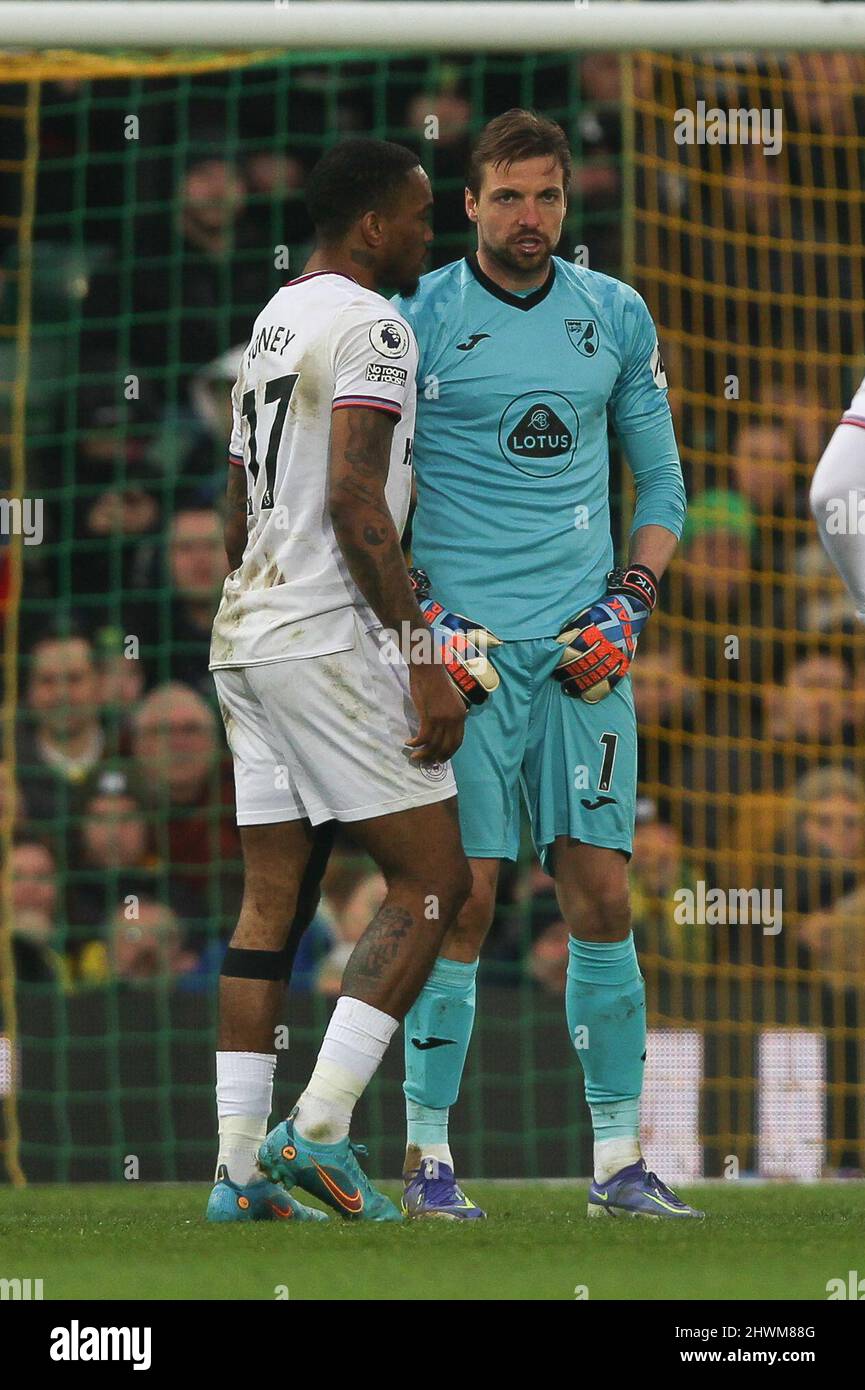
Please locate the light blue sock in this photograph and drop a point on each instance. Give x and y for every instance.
(426, 1126)
(605, 1004)
(438, 1028)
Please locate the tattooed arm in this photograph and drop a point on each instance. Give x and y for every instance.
(234, 517)
(359, 460)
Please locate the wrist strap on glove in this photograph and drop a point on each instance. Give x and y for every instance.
(637, 581)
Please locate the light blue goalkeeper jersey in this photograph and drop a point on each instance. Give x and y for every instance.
(511, 449)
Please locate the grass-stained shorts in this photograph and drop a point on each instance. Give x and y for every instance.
(576, 763)
(324, 737)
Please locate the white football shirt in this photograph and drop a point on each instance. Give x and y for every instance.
(323, 343)
(837, 490)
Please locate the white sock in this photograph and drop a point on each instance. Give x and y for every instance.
(611, 1155)
(244, 1097)
(354, 1044)
(440, 1151)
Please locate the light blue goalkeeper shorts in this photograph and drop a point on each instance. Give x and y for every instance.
(576, 763)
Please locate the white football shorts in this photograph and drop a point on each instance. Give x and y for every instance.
(323, 737)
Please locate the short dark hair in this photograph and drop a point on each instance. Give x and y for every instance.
(356, 176)
(515, 135)
(61, 630)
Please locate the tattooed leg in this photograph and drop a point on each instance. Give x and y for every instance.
(420, 855)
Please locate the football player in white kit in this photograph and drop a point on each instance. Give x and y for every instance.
(325, 719)
(838, 500)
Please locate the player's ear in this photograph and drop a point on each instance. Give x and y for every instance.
(471, 206)
(371, 229)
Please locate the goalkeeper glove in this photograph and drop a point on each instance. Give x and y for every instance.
(600, 642)
(464, 644)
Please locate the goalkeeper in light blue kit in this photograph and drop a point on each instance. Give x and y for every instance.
(521, 356)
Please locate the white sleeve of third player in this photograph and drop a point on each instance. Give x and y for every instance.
(837, 489)
(374, 360)
(235, 445)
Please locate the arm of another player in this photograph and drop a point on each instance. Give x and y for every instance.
(235, 529)
(234, 519)
(840, 477)
(601, 641)
(360, 450)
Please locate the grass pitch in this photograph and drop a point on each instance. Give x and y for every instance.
(139, 1242)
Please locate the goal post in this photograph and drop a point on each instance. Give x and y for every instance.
(451, 26)
(749, 254)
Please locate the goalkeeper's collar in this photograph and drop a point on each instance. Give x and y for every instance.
(517, 301)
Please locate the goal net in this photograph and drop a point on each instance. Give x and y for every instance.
(151, 203)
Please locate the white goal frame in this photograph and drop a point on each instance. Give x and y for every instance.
(539, 25)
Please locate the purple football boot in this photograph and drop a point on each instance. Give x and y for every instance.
(634, 1191)
(432, 1190)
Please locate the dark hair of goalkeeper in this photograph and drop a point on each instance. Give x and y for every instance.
(514, 136)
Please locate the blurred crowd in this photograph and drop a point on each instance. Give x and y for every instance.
(748, 683)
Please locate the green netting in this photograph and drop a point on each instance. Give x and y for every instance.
(138, 294)
(168, 208)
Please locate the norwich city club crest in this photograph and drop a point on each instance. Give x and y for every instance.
(583, 333)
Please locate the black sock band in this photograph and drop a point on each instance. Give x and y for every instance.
(240, 964)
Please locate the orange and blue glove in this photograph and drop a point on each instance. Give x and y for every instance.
(464, 644)
(600, 642)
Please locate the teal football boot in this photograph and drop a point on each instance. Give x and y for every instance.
(330, 1172)
(255, 1201)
